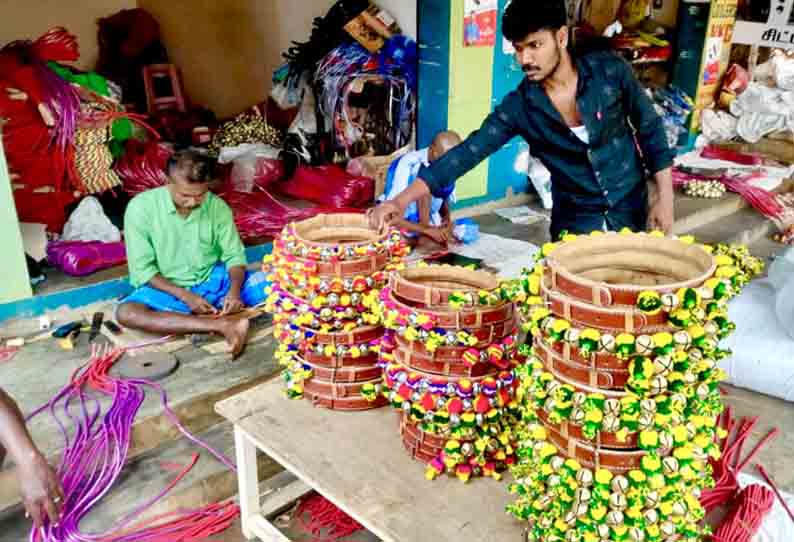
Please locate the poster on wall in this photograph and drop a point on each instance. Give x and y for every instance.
(716, 54)
(479, 23)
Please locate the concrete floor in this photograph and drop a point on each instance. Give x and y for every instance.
(40, 369)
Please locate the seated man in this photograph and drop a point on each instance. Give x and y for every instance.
(429, 216)
(186, 259)
(41, 490)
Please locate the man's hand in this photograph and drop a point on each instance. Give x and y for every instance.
(383, 215)
(232, 305)
(41, 490)
(197, 304)
(438, 234)
(661, 214)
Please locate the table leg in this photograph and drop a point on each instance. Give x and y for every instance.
(248, 481)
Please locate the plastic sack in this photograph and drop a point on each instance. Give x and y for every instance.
(466, 230)
(254, 164)
(784, 71)
(78, 258)
(541, 180)
(88, 222)
(330, 186)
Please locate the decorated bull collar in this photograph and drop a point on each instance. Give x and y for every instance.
(415, 326)
(501, 354)
(563, 500)
(661, 418)
(289, 243)
(507, 291)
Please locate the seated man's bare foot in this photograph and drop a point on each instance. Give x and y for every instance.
(235, 331)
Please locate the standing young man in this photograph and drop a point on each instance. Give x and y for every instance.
(584, 116)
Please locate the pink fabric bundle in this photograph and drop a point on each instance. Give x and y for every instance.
(80, 258)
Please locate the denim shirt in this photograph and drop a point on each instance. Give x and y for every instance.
(593, 184)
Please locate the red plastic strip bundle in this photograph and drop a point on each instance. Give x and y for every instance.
(258, 214)
(331, 186)
(727, 468)
(96, 451)
(57, 45)
(324, 516)
(142, 166)
(764, 201)
(714, 152)
(745, 517)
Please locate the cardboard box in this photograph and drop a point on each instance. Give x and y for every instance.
(372, 27)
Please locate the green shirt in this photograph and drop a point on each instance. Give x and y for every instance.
(181, 249)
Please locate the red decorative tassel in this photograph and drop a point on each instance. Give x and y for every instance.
(745, 518)
(325, 516)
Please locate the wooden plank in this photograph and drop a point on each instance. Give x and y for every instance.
(248, 481)
(356, 461)
(280, 492)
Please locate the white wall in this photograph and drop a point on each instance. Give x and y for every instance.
(405, 13)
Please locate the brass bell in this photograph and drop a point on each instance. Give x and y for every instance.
(658, 385)
(608, 342)
(679, 509)
(615, 518)
(669, 301)
(572, 335)
(617, 501)
(584, 477)
(619, 484)
(651, 516)
(582, 495)
(665, 440)
(636, 534)
(612, 407)
(662, 365)
(652, 499)
(648, 405)
(646, 421)
(682, 339)
(556, 463)
(644, 345)
(610, 424)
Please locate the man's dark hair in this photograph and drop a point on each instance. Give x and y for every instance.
(196, 167)
(523, 17)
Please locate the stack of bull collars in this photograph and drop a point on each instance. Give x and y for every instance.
(448, 357)
(325, 272)
(620, 396)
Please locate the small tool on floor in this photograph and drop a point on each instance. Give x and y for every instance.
(113, 327)
(96, 325)
(66, 329)
(67, 343)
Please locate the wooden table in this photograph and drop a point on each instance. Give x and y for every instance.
(357, 461)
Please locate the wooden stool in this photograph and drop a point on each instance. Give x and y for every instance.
(173, 101)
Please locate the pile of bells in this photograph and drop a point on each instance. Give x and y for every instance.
(329, 340)
(705, 189)
(448, 357)
(625, 461)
